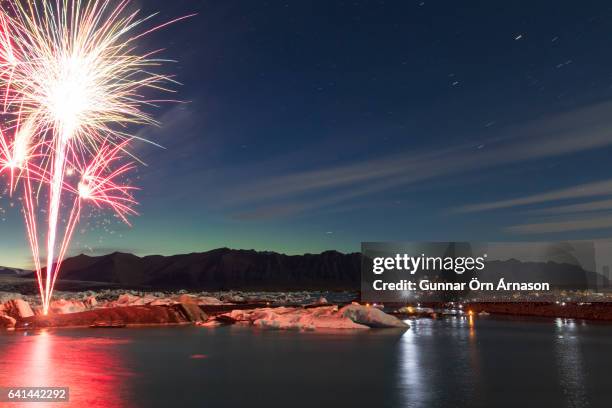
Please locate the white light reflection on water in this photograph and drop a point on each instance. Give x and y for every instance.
(569, 363)
(439, 363)
(412, 382)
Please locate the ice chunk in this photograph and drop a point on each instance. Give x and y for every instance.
(370, 316)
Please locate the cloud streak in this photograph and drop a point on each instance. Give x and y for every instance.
(595, 223)
(592, 206)
(598, 188)
(565, 134)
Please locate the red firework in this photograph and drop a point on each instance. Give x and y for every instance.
(71, 82)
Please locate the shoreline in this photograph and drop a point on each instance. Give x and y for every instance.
(294, 311)
(600, 312)
(186, 311)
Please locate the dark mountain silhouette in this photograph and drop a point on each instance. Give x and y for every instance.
(220, 269)
(251, 270)
(13, 271)
(558, 275)
(561, 275)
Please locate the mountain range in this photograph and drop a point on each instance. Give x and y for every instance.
(13, 271)
(225, 269)
(220, 269)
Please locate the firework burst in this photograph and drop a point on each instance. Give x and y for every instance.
(71, 81)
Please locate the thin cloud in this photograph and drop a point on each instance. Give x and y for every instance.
(588, 224)
(592, 206)
(569, 133)
(598, 188)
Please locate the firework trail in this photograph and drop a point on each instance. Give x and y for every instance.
(71, 83)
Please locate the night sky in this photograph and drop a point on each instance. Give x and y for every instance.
(315, 125)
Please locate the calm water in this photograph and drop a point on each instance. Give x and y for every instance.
(445, 363)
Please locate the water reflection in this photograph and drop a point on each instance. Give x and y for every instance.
(89, 366)
(439, 362)
(569, 358)
(455, 362)
(412, 378)
(474, 356)
(472, 325)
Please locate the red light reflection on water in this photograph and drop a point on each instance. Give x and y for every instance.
(89, 366)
